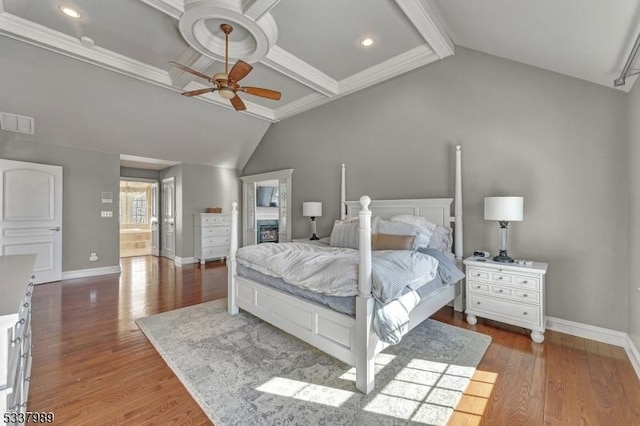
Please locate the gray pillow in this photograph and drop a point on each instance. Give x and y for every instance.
(441, 239)
(346, 233)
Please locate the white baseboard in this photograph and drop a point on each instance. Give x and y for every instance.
(599, 334)
(634, 355)
(179, 261)
(83, 273)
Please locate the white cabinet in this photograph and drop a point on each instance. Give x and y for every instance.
(212, 235)
(507, 292)
(16, 288)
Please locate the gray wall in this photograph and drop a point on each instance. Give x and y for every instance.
(199, 187)
(85, 175)
(558, 141)
(634, 231)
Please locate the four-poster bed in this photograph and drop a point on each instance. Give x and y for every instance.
(344, 337)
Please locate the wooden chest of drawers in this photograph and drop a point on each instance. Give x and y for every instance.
(507, 292)
(212, 233)
(16, 288)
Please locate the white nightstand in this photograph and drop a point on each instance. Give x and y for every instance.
(507, 292)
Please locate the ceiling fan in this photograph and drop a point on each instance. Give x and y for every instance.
(226, 83)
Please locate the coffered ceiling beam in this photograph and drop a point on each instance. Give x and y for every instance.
(173, 8)
(191, 59)
(426, 21)
(257, 8)
(297, 69)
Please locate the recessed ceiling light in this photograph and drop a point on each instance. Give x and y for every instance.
(71, 12)
(367, 42)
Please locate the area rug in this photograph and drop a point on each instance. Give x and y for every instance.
(243, 371)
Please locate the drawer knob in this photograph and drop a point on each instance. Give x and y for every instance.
(525, 313)
(524, 282)
(26, 305)
(499, 278)
(21, 322)
(477, 303)
(525, 295)
(477, 275)
(500, 291)
(477, 286)
(16, 341)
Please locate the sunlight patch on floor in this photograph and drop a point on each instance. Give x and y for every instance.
(306, 391)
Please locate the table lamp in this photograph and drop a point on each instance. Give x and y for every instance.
(312, 209)
(504, 210)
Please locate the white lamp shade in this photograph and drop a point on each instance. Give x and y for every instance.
(503, 208)
(312, 208)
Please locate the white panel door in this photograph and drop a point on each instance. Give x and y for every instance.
(155, 226)
(168, 218)
(31, 215)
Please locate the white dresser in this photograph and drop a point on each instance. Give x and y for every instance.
(507, 292)
(16, 287)
(212, 233)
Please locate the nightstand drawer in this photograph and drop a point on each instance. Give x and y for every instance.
(209, 253)
(501, 278)
(478, 287)
(505, 309)
(215, 241)
(216, 230)
(213, 219)
(527, 296)
(527, 282)
(477, 274)
(501, 291)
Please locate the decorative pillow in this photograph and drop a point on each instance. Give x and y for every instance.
(392, 242)
(346, 233)
(441, 239)
(403, 228)
(421, 222)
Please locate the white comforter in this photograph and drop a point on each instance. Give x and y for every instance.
(334, 271)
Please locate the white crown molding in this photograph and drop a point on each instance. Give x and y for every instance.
(428, 25)
(634, 355)
(600, 334)
(400, 64)
(20, 29)
(192, 59)
(407, 61)
(93, 272)
(257, 8)
(173, 8)
(297, 69)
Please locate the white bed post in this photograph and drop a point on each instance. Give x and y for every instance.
(458, 303)
(364, 353)
(343, 194)
(231, 262)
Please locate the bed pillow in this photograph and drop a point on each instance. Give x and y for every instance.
(346, 233)
(392, 242)
(441, 239)
(427, 226)
(402, 228)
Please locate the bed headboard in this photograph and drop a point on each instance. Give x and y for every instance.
(436, 210)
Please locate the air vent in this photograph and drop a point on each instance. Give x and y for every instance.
(16, 123)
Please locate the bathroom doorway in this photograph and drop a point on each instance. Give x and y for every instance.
(137, 217)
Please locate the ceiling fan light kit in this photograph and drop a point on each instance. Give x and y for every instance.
(226, 83)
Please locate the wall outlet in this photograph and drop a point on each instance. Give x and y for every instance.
(106, 213)
(93, 257)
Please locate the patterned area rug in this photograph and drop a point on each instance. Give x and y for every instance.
(243, 371)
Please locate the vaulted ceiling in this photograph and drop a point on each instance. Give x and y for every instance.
(105, 82)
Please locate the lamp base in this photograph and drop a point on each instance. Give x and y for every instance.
(315, 237)
(503, 258)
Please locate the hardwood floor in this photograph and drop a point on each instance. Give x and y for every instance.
(92, 365)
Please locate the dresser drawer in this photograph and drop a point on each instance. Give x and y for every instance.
(478, 287)
(213, 219)
(505, 309)
(501, 291)
(216, 230)
(214, 242)
(527, 296)
(478, 274)
(527, 282)
(210, 252)
(501, 277)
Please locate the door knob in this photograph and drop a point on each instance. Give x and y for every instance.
(57, 229)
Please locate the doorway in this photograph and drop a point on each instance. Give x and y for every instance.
(136, 217)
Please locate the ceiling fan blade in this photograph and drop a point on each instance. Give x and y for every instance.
(192, 71)
(199, 91)
(237, 103)
(239, 71)
(263, 93)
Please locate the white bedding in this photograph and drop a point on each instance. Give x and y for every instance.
(334, 271)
